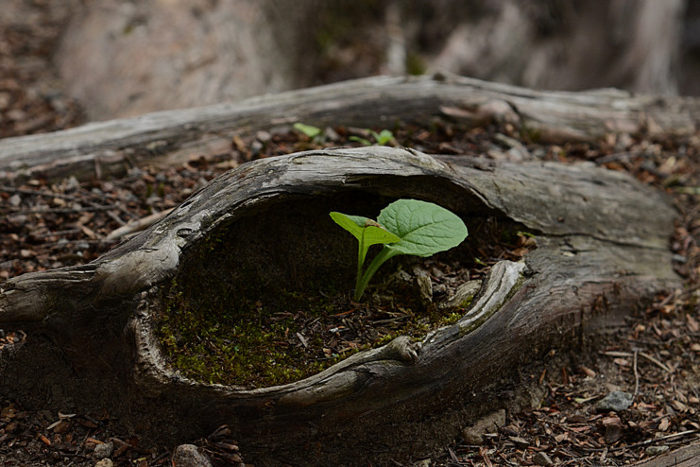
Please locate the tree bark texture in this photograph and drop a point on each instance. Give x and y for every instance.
(602, 248)
(686, 456)
(177, 55)
(110, 148)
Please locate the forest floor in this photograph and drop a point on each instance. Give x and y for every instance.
(655, 359)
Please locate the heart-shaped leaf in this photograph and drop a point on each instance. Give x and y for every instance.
(424, 228)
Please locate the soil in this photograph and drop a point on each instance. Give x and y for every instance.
(656, 357)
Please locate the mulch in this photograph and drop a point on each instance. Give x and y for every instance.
(655, 357)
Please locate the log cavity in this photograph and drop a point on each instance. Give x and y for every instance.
(265, 299)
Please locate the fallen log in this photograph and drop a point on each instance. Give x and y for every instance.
(90, 339)
(110, 148)
(686, 456)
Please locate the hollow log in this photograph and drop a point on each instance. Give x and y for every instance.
(602, 248)
(110, 148)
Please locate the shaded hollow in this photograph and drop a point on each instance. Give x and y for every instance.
(265, 299)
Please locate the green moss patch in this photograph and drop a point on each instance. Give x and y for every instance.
(289, 337)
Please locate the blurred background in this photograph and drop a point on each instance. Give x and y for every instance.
(67, 62)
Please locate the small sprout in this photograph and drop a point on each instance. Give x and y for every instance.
(522, 233)
(362, 141)
(368, 233)
(310, 131)
(382, 138)
(404, 227)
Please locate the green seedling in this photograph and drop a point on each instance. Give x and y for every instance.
(404, 227)
(310, 131)
(361, 140)
(382, 138)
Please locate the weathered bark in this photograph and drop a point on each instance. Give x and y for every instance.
(601, 249)
(686, 456)
(102, 149)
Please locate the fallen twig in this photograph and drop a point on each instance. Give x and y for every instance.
(45, 194)
(63, 210)
(615, 353)
(137, 225)
(663, 366)
(656, 440)
(636, 375)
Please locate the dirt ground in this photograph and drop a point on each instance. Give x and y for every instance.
(655, 358)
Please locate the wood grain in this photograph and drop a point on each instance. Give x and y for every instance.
(110, 148)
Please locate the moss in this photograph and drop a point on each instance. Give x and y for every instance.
(257, 343)
(234, 346)
(453, 317)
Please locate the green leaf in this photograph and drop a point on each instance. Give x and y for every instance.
(364, 229)
(368, 233)
(352, 224)
(424, 228)
(383, 137)
(308, 130)
(405, 227)
(362, 141)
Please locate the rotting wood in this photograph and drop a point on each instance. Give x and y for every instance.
(109, 148)
(601, 248)
(136, 226)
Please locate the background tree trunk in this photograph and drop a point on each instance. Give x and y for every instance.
(168, 55)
